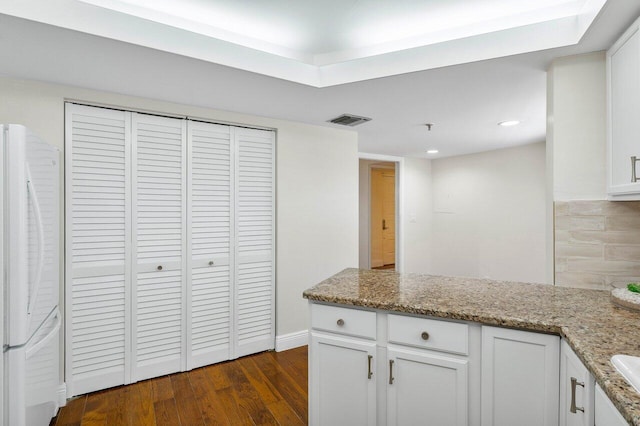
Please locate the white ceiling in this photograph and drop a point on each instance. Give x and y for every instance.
(465, 102)
(328, 42)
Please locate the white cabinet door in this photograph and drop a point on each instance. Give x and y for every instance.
(623, 66)
(210, 228)
(254, 241)
(520, 373)
(159, 203)
(576, 390)
(606, 414)
(342, 388)
(425, 388)
(98, 248)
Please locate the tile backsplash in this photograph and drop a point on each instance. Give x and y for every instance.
(597, 243)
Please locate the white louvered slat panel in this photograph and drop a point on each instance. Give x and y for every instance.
(211, 222)
(159, 198)
(255, 214)
(98, 213)
(98, 332)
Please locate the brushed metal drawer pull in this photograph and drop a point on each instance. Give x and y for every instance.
(574, 382)
(340, 322)
(391, 378)
(634, 161)
(425, 335)
(159, 268)
(369, 373)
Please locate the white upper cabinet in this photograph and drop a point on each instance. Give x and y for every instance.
(623, 116)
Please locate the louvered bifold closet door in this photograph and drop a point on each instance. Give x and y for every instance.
(98, 211)
(159, 228)
(210, 227)
(255, 241)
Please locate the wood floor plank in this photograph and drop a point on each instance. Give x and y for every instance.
(236, 414)
(284, 414)
(71, 414)
(187, 405)
(263, 389)
(96, 408)
(117, 414)
(268, 393)
(161, 388)
(247, 396)
(218, 377)
(166, 413)
(140, 407)
(291, 362)
(207, 398)
(286, 386)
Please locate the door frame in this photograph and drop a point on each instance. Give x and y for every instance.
(399, 162)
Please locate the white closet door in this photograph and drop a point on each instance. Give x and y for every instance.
(255, 238)
(210, 227)
(98, 253)
(159, 203)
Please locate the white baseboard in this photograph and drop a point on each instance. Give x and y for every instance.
(62, 395)
(292, 340)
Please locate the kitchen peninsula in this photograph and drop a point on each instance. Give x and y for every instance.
(453, 320)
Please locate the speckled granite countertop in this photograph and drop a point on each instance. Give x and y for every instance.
(594, 327)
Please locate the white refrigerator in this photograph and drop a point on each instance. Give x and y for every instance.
(30, 222)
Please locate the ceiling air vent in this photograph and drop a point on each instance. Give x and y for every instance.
(349, 120)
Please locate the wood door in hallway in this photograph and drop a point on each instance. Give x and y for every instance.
(383, 217)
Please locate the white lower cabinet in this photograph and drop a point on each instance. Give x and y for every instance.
(342, 389)
(426, 388)
(520, 373)
(576, 390)
(606, 414)
(379, 368)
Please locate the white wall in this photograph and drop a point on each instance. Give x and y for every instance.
(576, 129)
(489, 214)
(317, 183)
(417, 222)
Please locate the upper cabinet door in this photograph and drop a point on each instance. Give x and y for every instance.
(98, 248)
(159, 245)
(210, 228)
(623, 133)
(254, 240)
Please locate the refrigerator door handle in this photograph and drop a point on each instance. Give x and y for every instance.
(35, 284)
(45, 340)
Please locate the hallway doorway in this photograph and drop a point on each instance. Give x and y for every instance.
(383, 216)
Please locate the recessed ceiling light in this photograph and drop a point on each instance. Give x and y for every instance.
(509, 123)
(432, 151)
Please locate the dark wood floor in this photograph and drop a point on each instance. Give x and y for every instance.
(269, 388)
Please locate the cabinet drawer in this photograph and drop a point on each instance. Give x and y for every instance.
(429, 333)
(349, 321)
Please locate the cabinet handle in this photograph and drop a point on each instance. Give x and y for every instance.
(634, 161)
(369, 372)
(340, 322)
(384, 225)
(211, 263)
(574, 383)
(159, 268)
(391, 379)
(425, 335)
